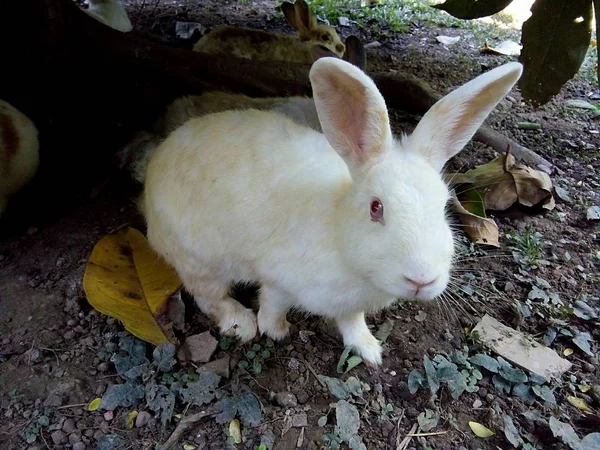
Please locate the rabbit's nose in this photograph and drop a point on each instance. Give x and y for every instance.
(339, 48)
(420, 282)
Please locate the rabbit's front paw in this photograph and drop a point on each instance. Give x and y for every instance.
(241, 322)
(369, 349)
(274, 326)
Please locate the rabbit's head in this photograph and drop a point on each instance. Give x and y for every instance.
(309, 29)
(391, 223)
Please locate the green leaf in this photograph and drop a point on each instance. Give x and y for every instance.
(416, 380)
(164, 357)
(336, 386)
(523, 391)
(243, 364)
(322, 421)
(250, 354)
(431, 375)
(428, 420)
(128, 394)
(472, 9)
(348, 420)
(473, 202)
(510, 373)
(257, 368)
(246, 405)
(342, 360)
(565, 432)
(501, 384)
(485, 361)
(159, 398)
(352, 362)
(110, 442)
(355, 387)
(511, 432)
(581, 340)
(555, 42)
(202, 391)
(545, 393)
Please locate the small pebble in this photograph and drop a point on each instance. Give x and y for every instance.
(108, 416)
(302, 396)
(102, 367)
(79, 446)
(71, 323)
(489, 398)
(142, 419)
(588, 367)
(69, 335)
(412, 412)
(75, 437)
(299, 420)
(286, 399)
(58, 437)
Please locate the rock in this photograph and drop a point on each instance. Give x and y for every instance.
(198, 348)
(53, 400)
(218, 367)
(102, 367)
(302, 396)
(299, 420)
(75, 437)
(142, 419)
(412, 412)
(343, 21)
(593, 213)
(59, 437)
(108, 416)
(286, 399)
(69, 335)
(563, 194)
(509, 286)
(68, 426)
(588, 367)
(403, 392)
(176, 311)
(520, 349)
(79, 446)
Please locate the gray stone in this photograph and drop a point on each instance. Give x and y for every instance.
(68, 426)
(102, 367)
(59, 437)
(286, 399)
(218, 367)
(53, 400)
(142, 419)
(299, 420)
(198, 348)
(69, 335)
(75, 437)
(79, 446)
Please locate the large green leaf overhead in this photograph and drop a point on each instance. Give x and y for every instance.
(555, 41)
(472, 9)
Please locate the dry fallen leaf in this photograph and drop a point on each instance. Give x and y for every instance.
(579, 403)
(503, 182)
(130, 421)
(481, 230)
(126, 279)
(508, 48)
(480, 430)
(235, 432)
(568, 351)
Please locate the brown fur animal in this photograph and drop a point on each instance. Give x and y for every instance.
(253, 44)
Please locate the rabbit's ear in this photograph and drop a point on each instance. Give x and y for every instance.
(453, 120)
(320, 51)
(352, 112)
(355, 52)
(305, 19)
(289, 11)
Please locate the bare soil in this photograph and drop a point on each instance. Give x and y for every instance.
(50, 336)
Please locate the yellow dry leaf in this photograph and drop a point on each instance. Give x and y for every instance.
(94, 404)
(568, 351)
(126, 279)
(579, 403)
(481, 230)
(480, 430)
(235, 431)
(130, 421)
(188, 446)
(584, 388)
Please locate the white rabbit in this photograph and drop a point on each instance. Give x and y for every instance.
(301, 110)
(110, 13)
(335, 224)
(19, 151)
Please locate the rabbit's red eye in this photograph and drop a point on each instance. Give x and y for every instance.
(376, 210)
(325, 37)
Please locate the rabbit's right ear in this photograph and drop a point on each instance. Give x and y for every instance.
(304, 17)
(289, 11)
(355, 52)
(352, 113)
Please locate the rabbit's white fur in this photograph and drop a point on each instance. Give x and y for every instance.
(19, 151)
(251, 195)
(110, 13)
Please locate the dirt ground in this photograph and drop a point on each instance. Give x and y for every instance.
(51, 340)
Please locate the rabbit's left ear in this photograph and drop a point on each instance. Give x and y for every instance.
(453, 120)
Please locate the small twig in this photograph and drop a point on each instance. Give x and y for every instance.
(75, 405)
(184, 425)
(406, 441)
(309, 367)
(44, 439)
(432, 433)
